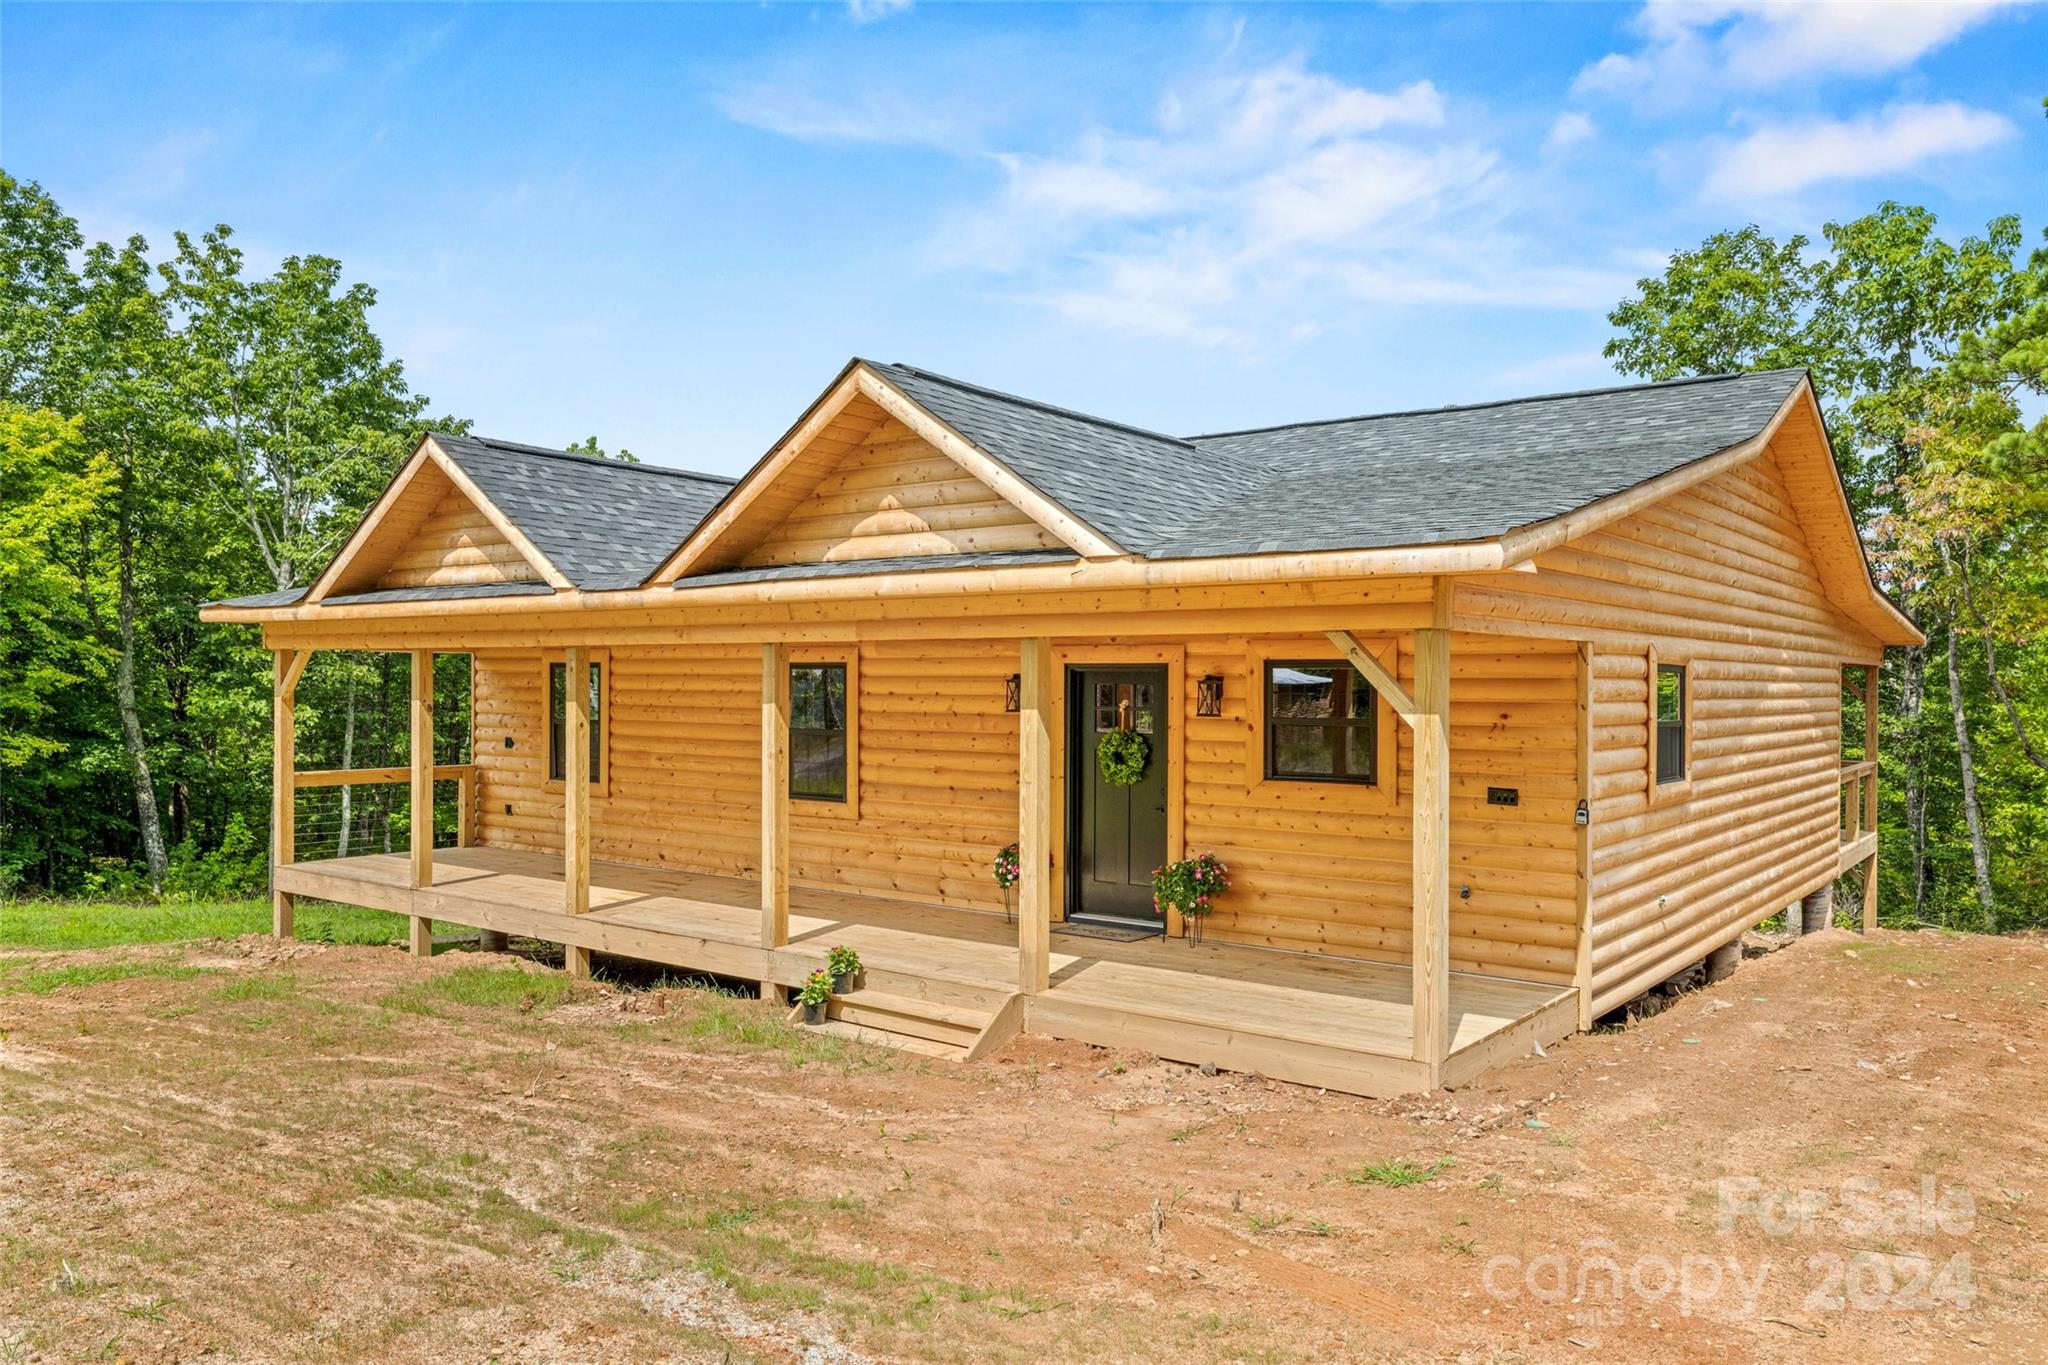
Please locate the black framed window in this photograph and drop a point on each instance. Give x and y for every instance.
(1321, 722)
(558, 720)
(1671, 704)
(817, 732)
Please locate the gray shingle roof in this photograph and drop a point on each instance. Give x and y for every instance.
(1428, 477)
(603, 523)
(1434, 476)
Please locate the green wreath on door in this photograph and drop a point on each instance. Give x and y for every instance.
(1121, 756)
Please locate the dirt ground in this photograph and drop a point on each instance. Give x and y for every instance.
(241, 1151)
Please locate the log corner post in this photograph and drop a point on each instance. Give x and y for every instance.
(1034, 815)
(1430, 948)
(284, 783)
(774, 805)
(422, 835)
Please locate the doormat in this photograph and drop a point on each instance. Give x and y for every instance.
(1114, 933)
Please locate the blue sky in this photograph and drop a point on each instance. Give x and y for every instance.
(669, 225)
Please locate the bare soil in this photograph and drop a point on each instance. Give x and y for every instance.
(302, 1152)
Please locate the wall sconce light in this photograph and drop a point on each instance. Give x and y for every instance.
(1013, 692)
(1209, 696)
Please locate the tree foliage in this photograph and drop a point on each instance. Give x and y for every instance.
(1923, 351)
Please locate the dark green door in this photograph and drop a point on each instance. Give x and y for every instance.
(1119, 833)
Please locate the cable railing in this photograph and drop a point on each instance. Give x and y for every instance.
(344, 812)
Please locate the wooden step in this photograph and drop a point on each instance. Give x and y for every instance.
(902, 1042)
(933, 1020)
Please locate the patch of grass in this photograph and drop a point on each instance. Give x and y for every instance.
(1899, 959)
(1395, 1174)
(259, 986)
(747, 1024)
(393, 1182)
(92, 974)
(484, 988)
(60, 925)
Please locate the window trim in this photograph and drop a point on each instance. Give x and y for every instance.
(1678, 788)
(1382, 793)
(602, 658)
(824, 807)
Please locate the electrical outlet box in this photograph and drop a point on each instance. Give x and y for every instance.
(1503, 796)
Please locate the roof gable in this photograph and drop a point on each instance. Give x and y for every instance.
(605, 524)
(893, 496)
(432, 528)
(868, 473)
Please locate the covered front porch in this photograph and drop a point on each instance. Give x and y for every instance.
(1316, 1020)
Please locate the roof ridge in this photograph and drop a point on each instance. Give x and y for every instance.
(1679, 382)
(523, 448)
(1024, 402)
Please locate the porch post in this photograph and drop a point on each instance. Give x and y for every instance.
(575, 797)
(1871, 675)
(1034, 814)
(774, 801)
(422, 793)
(284, 698)
(1430, 950)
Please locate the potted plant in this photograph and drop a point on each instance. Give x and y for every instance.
(842, 964)
(1008, 868)
(814, 995)
(1190, 886)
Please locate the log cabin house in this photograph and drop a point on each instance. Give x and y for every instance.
(1498, 715)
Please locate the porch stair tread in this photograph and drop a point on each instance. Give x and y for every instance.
(902, 1042)
(930, 1027)
(916, 1007)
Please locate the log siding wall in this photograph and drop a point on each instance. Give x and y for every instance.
(1720, 579)
(1311, 869)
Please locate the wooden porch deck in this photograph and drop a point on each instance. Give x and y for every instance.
(1320, 1021)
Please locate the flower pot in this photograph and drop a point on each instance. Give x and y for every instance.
(848, 983)
(815, 1014)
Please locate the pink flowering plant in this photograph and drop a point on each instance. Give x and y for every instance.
(1007, 867)
(1190, 886)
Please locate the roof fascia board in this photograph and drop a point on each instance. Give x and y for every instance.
(708, 533)
(1077, 534)
(1476, 557)
(365, 528)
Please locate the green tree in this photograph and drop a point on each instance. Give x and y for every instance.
(1883, 319)
(589, 446)
(291, 393)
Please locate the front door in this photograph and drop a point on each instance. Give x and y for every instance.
(1118, 834)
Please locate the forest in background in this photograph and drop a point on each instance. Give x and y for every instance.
(174, 429)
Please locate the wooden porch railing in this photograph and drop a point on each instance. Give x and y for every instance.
(1859, 800)
(463, 775)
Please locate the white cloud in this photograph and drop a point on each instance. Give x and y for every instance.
(1256, 208)
(1780, 159)
(868, 11)
(1692, 46)
(1570, 129)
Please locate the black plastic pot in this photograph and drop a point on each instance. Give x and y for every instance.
(815, 1014)
(847, 984)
